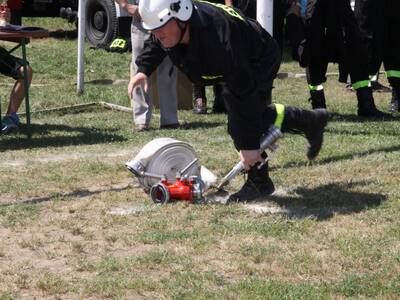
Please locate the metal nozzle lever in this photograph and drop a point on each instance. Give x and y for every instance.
(187, 168)
(267, 142)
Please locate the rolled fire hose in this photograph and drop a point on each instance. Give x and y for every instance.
(165, 158)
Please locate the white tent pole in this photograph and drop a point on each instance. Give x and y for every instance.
(265, 14)
(81, 43)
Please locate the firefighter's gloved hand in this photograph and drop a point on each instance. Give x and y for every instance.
(119, 45)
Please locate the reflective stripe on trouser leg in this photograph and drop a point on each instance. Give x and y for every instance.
(361, 84)
(280, 115)
(318, 87)
(393, 73)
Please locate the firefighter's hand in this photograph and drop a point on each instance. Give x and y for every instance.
(250, 157)
(138, 79)
(133, 10)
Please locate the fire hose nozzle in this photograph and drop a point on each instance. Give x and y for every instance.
(267, 142)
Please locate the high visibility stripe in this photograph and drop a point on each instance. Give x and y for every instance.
(211, 77)
(360, 84)
(280, 115)
(230, 10)
(393, 73)
(318, 87)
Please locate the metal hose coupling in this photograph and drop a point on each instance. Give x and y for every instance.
(268, 141)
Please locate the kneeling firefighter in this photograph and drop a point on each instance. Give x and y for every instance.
(214, 43)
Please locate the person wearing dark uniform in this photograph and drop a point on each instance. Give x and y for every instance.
(380, 25)
(332, 35)
(213, 43)
(199, 91)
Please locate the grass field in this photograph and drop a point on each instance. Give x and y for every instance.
(335, 233)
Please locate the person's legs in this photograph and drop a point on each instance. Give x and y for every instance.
(167, 93)
(13, 67)
(357, 62)
(141, 101)
(219, 103)
(311, 123)
(391, 49)
(18, 91)
(316, 71)
(318, 63)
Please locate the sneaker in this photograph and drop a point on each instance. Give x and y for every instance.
(251, 191)
(200, 106)
(141, 127)
(9, 125)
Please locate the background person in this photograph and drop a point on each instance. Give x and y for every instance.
(380, 25)
(142, 101)
(12, 66)
(332, 35)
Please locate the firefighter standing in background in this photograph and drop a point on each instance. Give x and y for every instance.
(211, 43)
(199, 91)
(380, 25)
(332, 35)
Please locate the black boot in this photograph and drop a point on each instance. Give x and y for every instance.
(311, 123)
(317, 99)
(378, 87)
(219, 104)
(258, 185)
(366, 104)
(394, 103)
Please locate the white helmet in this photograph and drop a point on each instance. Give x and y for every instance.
(156, 13)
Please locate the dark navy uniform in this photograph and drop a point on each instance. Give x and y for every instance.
(226, 47)
(380, 25)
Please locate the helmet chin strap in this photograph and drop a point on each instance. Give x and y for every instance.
(183, 27)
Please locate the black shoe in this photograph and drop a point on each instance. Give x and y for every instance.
(380, 88)
(251, 191)
(372, 112)
(315, 133)
(317, 99)
(200, 106)
(366, 105)
(218, 108)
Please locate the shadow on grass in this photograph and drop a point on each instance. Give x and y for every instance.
(64, 34)
(44, 136)
(338, 157)
(325, 201)
(196, 125)
(336, 117)
(64, 196)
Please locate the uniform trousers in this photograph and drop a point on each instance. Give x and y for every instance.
(166, 85)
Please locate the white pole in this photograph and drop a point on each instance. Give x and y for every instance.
(81, 43)
(265, 14)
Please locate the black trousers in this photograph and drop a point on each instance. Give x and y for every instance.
(380, 24)
(333, 35)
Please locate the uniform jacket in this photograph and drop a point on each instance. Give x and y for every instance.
(224, 47)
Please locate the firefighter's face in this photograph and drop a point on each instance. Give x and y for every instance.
(169, 35)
